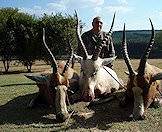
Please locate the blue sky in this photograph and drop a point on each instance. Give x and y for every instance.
(135, 13)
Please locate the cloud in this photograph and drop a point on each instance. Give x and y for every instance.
(96, 2)
(118, 8)
(35, 10)
(123, 2)
(48, 8)
(56, 6)
(97, 6)
(83, 3)
(97, 10)
(160, 13)
(63, 6)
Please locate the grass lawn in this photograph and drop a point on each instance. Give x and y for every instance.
(16, 91)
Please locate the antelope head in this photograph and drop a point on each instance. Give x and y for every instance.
(57, 82)
(142, 84)
(57, 78)
(90, 65)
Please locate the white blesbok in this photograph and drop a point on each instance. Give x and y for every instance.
(53, 86)
(144, 85)
(96, 80)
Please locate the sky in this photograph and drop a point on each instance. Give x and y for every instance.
(134, 13)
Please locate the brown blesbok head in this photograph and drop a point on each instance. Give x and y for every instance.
(53, 87)
(143, 85)
(95, 78)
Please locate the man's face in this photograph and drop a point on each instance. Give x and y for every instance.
(97, 25)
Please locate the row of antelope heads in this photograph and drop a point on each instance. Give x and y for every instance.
(142, 84)
(139, 86)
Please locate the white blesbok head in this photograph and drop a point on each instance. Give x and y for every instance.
(96, 79)
(143, 86)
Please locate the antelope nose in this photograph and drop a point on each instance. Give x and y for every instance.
(140, 117)
(87, 98)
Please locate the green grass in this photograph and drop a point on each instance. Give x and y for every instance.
(16, 91)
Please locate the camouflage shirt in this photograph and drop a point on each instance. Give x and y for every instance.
(91, 40)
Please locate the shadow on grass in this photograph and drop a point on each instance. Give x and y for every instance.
(17, 84)
(17, 112)
(19, 72)
(13, 72)
(103, 118)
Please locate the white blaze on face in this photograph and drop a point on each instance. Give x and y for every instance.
(90, 66)
(95, 79)
(60, 102)
(138, 109)
(88, 80)
(91, 86)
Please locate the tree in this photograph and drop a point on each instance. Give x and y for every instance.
(7, 40)
(158, 39)
(158, 44)
(21, 36)
(58, 29)
(26, 42)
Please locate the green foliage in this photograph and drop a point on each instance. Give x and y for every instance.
(137, 41)
(59, 30)
(158, 39)
(7, 39)
(21, 35)
(26, 41)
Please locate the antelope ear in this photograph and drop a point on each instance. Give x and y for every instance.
(77, 57)
(107, 61)
(127, 72)
(37, 78)
(157, 76)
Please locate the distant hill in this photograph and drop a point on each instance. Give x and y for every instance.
(133, 35)
(137, 41)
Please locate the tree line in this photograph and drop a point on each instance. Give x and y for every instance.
(137, 41)
(21, 37)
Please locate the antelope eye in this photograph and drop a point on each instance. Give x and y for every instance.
(94, 73)
(84, 73)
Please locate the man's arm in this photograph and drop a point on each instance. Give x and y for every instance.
(108, 47)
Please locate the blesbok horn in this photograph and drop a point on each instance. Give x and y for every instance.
(73, 62)
(110, 31)
(96, 52)
(125, 54)
(53, 60)
(69, 60)
(141, 68)
(85, 54)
